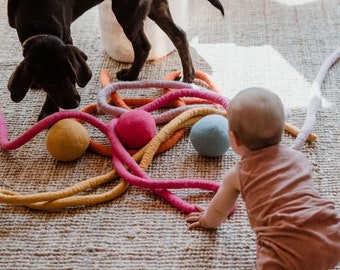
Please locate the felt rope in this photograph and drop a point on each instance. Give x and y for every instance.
(143, 180)
(65, 197)
(41, 125)
(127, 103)
(116, 100)
(104, 106)
(139, 178)
(122, 161)
(138, 102)
(200, 75)
(106, 150)
(121, 158)
(165, 117)
(295, 132)
(62, 198)
(59, 199)
(315, 101)
(55, 200)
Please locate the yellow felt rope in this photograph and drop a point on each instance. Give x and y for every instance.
(65, 197)
(62, 198)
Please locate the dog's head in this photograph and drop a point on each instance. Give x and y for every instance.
(53, 66)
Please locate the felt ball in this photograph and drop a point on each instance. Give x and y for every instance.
(67, 140)
(135, 128)
(209, 136)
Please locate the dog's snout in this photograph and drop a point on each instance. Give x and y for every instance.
(15, 97)
(71, 103)
(66, 100)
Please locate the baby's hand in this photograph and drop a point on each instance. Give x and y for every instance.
(194, 219)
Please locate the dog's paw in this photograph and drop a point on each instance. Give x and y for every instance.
(189, 77)
(126, 75)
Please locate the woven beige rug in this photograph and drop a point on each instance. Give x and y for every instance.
(278, 44)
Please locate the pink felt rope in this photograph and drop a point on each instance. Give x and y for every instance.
(171, 96)
(122, 160)
(120, 157)
(137, 178)
(44, 124)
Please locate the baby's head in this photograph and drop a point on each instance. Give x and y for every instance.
(256, 117)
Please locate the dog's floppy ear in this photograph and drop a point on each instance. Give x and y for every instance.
(12, 6)
(20, 81)
(77, 60)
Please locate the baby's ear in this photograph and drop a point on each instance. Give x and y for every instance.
(233, 137)
(20, 81)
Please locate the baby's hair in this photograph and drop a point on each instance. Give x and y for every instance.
(256, 117)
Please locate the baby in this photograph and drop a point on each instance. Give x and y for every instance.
(295, 228)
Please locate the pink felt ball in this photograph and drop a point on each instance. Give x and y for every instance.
(135, 128)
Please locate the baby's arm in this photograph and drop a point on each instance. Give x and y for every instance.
(220, 206)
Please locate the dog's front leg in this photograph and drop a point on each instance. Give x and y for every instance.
(141, 49)
(133, 28)
(48, 108)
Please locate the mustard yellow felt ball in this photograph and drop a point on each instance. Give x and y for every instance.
(67, 140)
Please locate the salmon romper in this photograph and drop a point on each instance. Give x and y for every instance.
(295, 228)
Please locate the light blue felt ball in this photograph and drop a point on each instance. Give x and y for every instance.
(209, 136)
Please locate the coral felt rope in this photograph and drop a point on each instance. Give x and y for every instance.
(126, 165)
(115, 98)
(122, 159)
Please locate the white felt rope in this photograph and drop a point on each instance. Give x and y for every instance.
(315, 101)
(104, 106)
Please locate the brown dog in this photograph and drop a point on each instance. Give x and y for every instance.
(52, 63)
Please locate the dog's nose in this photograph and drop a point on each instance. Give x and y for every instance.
(70, 103)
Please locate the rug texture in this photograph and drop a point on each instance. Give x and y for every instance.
(279, 45)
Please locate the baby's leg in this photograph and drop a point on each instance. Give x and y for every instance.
(267, 259)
